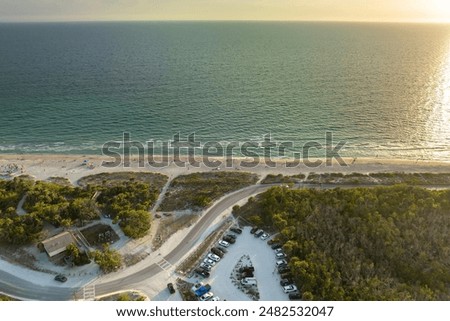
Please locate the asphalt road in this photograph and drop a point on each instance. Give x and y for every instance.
(21, 288)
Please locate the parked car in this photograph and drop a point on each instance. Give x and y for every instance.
(283, 269)
(236, 230)
(285, 282)
(279, 250)
(247, 269)
(197, 286)
(281, 262)
(286, 275)
(202, 290)
(207, 296)
(216, 298)
(217, 252)
(253, 230)
(171, 288)
(276, 246)
(280, 255)
(213, 257)
(60, 278)
(224, 243)
(290, 288)
(247, 274)
(229, 239)
(258, 233)
(264, 237)
(202, 272)
(231, 236)
(295, 296)
(209, 262)
(249, 281)
(222, 249)
(205, 266)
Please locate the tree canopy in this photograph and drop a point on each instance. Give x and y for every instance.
(383, 243)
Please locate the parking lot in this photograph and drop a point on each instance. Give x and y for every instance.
(263, 259)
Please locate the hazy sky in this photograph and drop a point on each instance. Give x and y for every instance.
(350, 10)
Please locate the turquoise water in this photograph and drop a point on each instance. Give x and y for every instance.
(382, 88)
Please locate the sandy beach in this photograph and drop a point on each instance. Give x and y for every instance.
(73, 167)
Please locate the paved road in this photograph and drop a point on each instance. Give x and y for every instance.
(14, 286)
(10, 284)
(186, 244)
(20, 288)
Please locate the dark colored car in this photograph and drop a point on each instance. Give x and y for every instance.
(202, 272)
(286, 276)
(229, 239)
(295, 296)
(253, 230)
(283, 269)
(236, 230)
(247, 274)
(222, 249)
(285, 282)
(247, 269)
(171, 288)
(275, 246)
(217, 252)
(231, 235)
(60, 278)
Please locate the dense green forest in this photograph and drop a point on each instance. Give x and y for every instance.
(127, 202)
(381, 243)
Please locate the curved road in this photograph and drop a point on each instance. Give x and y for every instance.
(21, 288)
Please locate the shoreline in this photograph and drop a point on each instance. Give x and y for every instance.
(74, 167)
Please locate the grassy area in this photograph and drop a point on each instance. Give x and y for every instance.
(125, 296)
(185, 290)
(169, 226)
(425, 179)
(60, 181)
(156, 180)
(100, 234)
(199, 190)
(6, 298)
(274, 179)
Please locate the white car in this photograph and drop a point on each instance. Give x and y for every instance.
(264, 237)
(278, 250)
(209, 262)
(216, 298)
(281, 262)
(207, 296)
(224, 243)
(289, 288)
(214, 257)
(205, 266)
(280, 255)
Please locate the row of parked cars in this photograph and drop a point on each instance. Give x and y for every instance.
(285, 273)
(257, 232)
(217, 252)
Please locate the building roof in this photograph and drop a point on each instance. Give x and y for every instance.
(58, 243)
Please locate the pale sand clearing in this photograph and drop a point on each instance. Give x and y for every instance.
(71, 167)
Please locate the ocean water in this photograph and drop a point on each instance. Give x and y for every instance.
(384, 89)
